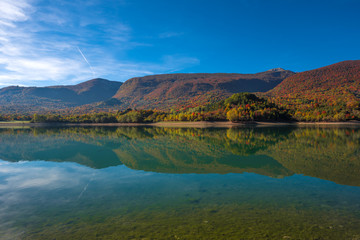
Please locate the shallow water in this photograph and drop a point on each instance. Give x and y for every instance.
(180, 183)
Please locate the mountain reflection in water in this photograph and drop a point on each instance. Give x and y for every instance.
(326, 153)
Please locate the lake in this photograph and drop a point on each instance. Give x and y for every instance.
(180, 183)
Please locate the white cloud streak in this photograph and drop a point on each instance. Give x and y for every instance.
(13, 11)
(24, 58)
(38, 46)
(91, 68)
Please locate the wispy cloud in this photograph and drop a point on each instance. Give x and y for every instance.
(177, 62)
(39, 45)
(167, 64)
(13, 11)
(170, 34)
(26, 59)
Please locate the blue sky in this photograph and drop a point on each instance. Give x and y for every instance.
(67, 42)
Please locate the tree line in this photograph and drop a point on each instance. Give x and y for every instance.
(237, 108)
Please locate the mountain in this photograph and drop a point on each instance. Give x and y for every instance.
(56, 97)
(330, 93)
(187, 90)
(340, 80)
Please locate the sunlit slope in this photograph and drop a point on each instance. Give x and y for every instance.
(183, 90)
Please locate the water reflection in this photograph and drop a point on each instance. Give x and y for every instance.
(327, 153)
(119, 183)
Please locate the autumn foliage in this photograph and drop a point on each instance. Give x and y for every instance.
(331, 93)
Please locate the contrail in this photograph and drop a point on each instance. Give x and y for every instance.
(92, 70)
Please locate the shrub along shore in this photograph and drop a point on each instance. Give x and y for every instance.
(239, 108)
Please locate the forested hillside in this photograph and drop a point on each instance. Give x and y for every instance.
(190, 90)
(327, 93)
(330, 93)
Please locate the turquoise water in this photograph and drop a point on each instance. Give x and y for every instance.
(180, 183)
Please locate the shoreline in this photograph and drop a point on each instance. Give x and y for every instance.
(201, 124)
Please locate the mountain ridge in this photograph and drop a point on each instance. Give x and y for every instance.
(330, 93)
(192, 89)
(322, 79)
(161, 91)
(336, 85)
(57, 97)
